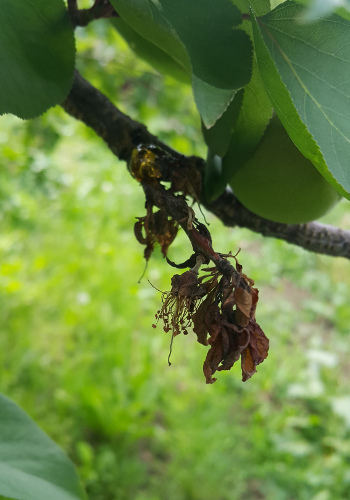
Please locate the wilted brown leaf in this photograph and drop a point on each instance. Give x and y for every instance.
(256, 351)
(238, 341)
(138, 230)
(155, 228)
(202, 318)
(212, 360)
(248, 365)
(222, 312)
(243, 299)
(165, 230)
(228, 298)
(215, 353)
(255, 298)
(142, 226)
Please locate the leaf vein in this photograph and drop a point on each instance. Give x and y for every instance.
(302, 41)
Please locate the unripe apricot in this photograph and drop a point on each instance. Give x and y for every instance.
(279, 183)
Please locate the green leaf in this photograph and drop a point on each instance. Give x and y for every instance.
(260, 7)
(201, 38)
(214, 183)
(306, 73)
(254, 116)
(218, 137)
(32, 466)
(37, 56)
(344, 11)
(255, 112)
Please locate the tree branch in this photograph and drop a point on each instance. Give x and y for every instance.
(313, 236)
(123, 135)
(82, 17)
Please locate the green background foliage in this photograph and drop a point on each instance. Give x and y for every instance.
(77, 350)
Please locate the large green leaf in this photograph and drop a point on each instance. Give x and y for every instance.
(36, 56)
(306, 73)
(237, 132)
(32, 466)
(256, 109)
(201, 37)
(254, 116)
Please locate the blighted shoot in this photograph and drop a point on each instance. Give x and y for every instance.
(217, 303)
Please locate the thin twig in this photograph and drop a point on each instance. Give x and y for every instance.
(82, 17)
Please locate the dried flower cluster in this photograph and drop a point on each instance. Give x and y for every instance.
(220, 304)
(222, 314)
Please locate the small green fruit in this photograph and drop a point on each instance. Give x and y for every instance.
(280, 184)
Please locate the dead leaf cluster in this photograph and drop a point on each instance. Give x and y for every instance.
(222, 314)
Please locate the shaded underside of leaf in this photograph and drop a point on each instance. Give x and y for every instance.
(37, 55)
(218, 137)
(211, 102)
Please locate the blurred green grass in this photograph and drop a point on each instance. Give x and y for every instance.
(77, 348)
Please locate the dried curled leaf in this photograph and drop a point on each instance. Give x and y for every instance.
(202, 318)
(215, 353)
(243, 299)
(256, 351)
(155, 228)
(239, 335)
